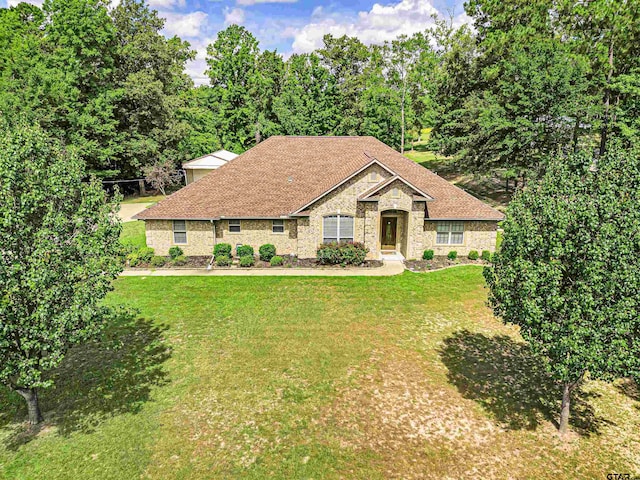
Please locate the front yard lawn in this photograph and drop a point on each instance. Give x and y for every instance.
(133, 234)
(285, 377)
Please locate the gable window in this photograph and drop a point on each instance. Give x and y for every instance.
(234, 226)
(450, 233)
(337, 228)
(179, 231)
(395, 193)
(277, 226)
(374, 177)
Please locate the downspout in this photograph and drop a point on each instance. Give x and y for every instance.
(213, 229)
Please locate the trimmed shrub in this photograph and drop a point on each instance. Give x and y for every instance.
(133, 259)
(427, 255)
(175, 252)
(473, 255)
(222, 249)
(145, 254)
(276, 261)
(486, 255)
(267, 252)
(244, 251)
(180, 260)
(345, 253)
(223, 261)
(157, 261)
(247, 260)
(452, 255)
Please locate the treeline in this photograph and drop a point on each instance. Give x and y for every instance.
(527, 81)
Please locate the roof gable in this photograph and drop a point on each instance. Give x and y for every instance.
(371, 192)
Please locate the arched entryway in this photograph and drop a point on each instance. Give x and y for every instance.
(393, 232)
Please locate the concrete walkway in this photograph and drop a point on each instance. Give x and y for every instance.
(388, 268)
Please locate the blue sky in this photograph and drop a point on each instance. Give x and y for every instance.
(294, 26)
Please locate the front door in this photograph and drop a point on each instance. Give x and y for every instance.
(389, 225)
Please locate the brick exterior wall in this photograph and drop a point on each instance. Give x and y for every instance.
(477, 236)
(199, 237)
(303, 235)
(259, 232)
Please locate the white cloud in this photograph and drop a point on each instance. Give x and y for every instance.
(254, 2)
(13, 3)
(168, 4)
(235, 15)
(185, 25)
(379, 24)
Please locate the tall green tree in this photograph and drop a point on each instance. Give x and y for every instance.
(307, 104)
(568, 271)
(347, 59)
(60, 253)
(149, 83)
(80, 42)
(515, 96)
(380, 102)
(607, 34)
(244, 84)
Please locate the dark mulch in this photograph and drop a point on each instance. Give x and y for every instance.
(289, 262)
(190, 262)
(439, 261)
(294, 262)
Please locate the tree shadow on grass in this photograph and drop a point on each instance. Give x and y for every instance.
(510, 383)
(96, 380)
(631, 388)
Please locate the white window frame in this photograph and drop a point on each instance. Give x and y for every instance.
(179, 230)
(440, 229)
(234, 224)
(339, 238)
(395, 192)
(277, 226)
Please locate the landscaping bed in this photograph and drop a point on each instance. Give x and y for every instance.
(439, 261)
(332, 255)
(288, 262)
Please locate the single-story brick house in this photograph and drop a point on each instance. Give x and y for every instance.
(298, 192)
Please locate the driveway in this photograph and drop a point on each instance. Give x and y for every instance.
(128, 210)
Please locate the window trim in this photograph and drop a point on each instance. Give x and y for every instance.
(273, 227)
(239, 225)
(174, 231)
(450, 232)
(338, 237)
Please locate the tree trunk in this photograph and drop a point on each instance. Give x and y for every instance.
(564, 412)
(404, 88)
(258, 135)
(30, 395)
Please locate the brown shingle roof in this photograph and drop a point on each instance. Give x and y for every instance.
(283, 174)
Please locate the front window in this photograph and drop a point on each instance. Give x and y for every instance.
(179, 231)
(337, 228)
(450, 233)
(234, 226)
(277, 226)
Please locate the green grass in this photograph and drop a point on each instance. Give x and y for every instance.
(149, 199)
(133, 234)
(284, 377)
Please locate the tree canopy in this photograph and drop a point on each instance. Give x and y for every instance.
(568, 270)
(60, 252)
